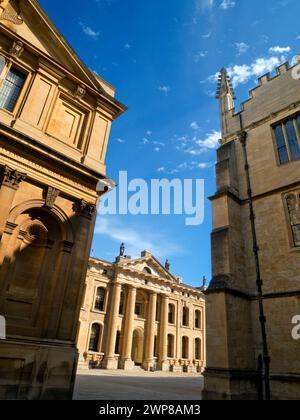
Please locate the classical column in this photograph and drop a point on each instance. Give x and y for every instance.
(126, 362)
(10, 184)
(110, 361)
(163, 345)
(149, 353)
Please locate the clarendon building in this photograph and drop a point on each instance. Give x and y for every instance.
(136, 313)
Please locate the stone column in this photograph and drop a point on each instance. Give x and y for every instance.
(149, 353)
(10, 184)
(110, 361)
(126, 362)
(163, 345)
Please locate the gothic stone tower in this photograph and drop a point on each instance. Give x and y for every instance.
(55, 118)
(264, 247)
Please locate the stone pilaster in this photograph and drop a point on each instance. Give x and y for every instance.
(126, 362)
(163, 345)
(110, 361)
(10, 184)
(149, 353)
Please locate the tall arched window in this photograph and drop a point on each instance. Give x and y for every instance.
(100, 299)
(185, 317)
(198, 352)
(170, 345)
(185, 347)
(117, 348)
(155, 347)
(198, 319)
(122, 303)
(171, 314)
(94, 343)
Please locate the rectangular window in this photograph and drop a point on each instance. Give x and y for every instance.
(11, 88)
(288, 139)
(138, 309)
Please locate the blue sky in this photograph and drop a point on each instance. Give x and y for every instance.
(162, 56)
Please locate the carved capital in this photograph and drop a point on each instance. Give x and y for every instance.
(51, 197)
(17, 49)
(12, 178)
(84, 209)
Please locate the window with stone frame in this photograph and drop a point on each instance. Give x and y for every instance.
(185, 317)
(100, 299)
(95, 338)
(292, 200)
(198, 319)
(287, 134)
(10, 89)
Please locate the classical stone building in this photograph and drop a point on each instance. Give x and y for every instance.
(135, 312)
(55, 118)
(255, 289)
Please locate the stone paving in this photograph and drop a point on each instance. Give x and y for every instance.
(136, 385)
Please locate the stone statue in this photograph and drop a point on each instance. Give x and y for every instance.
(122, 249)
(204, 282)
(167, 265)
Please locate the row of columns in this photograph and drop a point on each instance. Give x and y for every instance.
(110, 361)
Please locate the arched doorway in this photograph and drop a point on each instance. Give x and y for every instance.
(137, 352)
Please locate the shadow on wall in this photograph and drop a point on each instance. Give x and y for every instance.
(43, 262)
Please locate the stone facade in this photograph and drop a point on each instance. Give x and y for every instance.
(267, 247)
(136, 313)
(55, 118)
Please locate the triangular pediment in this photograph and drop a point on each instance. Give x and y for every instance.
(149, 265)
(30, 23)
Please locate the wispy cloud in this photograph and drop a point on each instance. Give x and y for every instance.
(184, 167)
(194, 125)
(127, 46)
(87, 30)
(227, 4)
(136, 238)
(165, 89)
(241, 47)
(199, 146)
(199, 55)
(121, 141)
(279, 50)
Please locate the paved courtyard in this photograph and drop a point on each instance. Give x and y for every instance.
(136, 385)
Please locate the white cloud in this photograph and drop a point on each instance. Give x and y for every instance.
(194, 125)
(241, 47)
(136, 239)
(227, 4)
(149, 133)
(207, 36)
(157, 149)
(199, 55)
(279, 50)
(159, 143)
(204, 5)
(121, 141)
(165, 89)
(241, 74)
(87, 30)
(127, 46)
(202, 145)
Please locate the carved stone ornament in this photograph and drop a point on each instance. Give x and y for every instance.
(17, 49)
(51, 197)
(10, 11)
(12, 178)
(80, 92)
(85, 209)
(293, 206)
